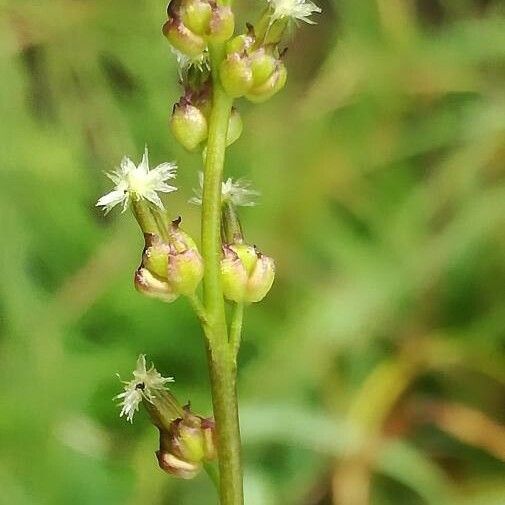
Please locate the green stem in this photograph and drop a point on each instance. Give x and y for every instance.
(236, 328)
(221, 363)
(144, 216)
(212, 473)
(198, 308)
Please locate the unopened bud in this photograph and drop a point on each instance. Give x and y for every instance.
(276, 76)
(222, 24)
(189, 125)
(183, 39)
(256, 72)
(236, 75)
(235, 127)
(169, 268)
(247, 275)
(187, 444)
(185, 265)
(240, 44)
(154, 287)
(263, 65)
(185, 271)
(154, 257)
(196, 15)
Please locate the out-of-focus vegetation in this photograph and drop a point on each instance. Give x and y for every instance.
(374, 372)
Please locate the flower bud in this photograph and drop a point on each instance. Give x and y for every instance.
(263, 65)
(188, 125)
(183, 39)
(169, 268)
(240, 44)
(235, 127)
(185, 265)
(276, 80)
(154, 257)
(247, 275)
(185, 271)
(154, 287)
(196, 15)
(236, 75)
(256, 72)
(186, 445)
(222, 24)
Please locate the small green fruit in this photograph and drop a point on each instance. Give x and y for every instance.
(235, 127)
(183, 39)
(189, 126)
(236, 75)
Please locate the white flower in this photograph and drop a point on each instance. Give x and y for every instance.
(295, 9)
(145, 384)
(138, 183)
(238, 192)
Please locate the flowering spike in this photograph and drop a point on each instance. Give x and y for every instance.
(138, 183)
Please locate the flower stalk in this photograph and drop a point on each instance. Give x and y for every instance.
(216, 67)
(222, 363)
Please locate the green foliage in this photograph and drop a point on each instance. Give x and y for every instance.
(374, 371)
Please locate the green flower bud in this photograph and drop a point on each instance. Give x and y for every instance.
(186, 445)
(169, 268)
(179, 240)
(185, 265)
(196, 15)
(235, 127)
(246, 274)
(239, 44)
(185, 271)
(154, 287)
(274, 83)
(188, 125)
(236, 75)
(183, 39)
(263, 65)
(155, 255)
(222, 24)
(261, 278)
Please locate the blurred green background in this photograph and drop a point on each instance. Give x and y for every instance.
(374, 372)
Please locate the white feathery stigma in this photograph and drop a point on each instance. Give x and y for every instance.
(295, 9)
(238, 192)
(138, 182)
(145, 384)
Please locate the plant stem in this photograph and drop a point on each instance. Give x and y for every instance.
(236, 328)
(198, 308)
(212, 473)
(221, 363)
